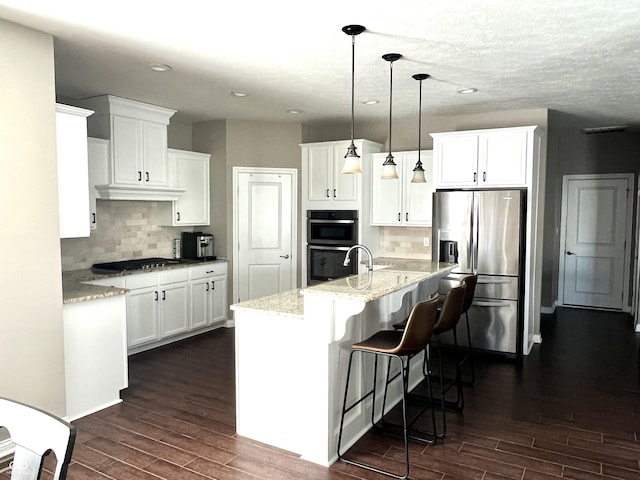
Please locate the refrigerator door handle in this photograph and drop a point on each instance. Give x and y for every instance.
(495, 282)
(491, 304)
(474, 232)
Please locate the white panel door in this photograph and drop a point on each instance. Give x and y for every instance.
(264, 234)
(594, 241)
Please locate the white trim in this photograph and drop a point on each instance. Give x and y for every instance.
(563, 219)
(537, 338)
(293, 172)
(549, 310)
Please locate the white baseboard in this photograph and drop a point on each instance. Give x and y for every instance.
(549, 310)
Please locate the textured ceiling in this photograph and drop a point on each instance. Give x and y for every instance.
(579, 57)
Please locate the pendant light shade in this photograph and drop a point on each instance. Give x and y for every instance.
(352, 159)
(418, 171)
(389, 170)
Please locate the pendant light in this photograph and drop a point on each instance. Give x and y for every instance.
(418, 171)
(389, 170)
(352, 159)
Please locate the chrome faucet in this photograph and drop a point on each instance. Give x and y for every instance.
(347, 260)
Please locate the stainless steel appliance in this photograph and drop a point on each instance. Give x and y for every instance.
(483, 231)
(134, 264)
(197, 245)
(330, 233)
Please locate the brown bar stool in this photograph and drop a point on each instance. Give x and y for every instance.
(448, 316)
(400, 345)
(447, 321)
(471, 281)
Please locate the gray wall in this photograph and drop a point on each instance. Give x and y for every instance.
(31, 327)
(571, 152)
(237, 143)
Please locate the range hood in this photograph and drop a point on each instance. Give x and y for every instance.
(133, 192)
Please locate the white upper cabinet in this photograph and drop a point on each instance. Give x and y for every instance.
(73, 172)
(325, 180)
(323, 183)
(137, 133)
(188, 171)
(498, 157)
(398, 201)
(98, 173)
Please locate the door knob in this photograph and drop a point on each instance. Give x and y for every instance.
(570, 253)
(284, 256)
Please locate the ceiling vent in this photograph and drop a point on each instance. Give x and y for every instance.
(610, 129)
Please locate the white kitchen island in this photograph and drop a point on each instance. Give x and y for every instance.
(292, 351)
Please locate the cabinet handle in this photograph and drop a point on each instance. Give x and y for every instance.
(147, 175)
(285, 256)
(406, 217)
(475, 176)
(399, 216)
(164, 295)
(213, 285)
(156, 296)
(93, 215)
(139, 176)
(334, 193)
(207, 287)
(327, 193)
(484, 176)
(178, 216)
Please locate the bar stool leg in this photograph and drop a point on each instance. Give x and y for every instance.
(345, 409)
(470, 354)
(459, 405)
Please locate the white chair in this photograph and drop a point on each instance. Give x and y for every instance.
(34, 434)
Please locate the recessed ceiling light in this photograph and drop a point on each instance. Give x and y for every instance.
(239, 94)
(294, 111)
(159, 67)
(371, 102)
(467, 90)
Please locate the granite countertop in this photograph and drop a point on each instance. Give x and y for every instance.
(74, 288)
(395, 274)
(289, 304)
(389, 275)
(74, 291)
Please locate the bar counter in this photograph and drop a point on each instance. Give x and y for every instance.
(292, 351)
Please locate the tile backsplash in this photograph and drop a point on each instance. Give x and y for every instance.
(125, 229)
(405, 242)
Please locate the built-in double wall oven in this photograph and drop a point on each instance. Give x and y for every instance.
(330, 233)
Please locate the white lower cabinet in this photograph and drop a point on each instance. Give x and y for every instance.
(142, 309)
(95, 354)
(173, 304)
(208, 287)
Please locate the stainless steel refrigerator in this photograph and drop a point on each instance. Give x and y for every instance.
(483, 232)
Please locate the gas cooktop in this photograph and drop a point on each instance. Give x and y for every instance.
(135, 264)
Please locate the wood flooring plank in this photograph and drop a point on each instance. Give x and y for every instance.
(560, 413)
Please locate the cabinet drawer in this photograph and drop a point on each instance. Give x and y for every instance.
(208, 270)
(173, 276)
(141, 280)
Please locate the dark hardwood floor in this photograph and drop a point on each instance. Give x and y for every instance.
(570, 410)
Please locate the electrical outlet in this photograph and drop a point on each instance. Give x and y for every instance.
(425, 241)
